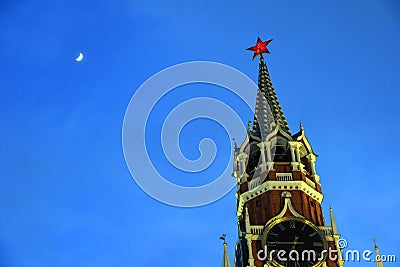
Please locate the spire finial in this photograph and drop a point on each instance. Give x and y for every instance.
(223, 237)
(301, 127)
(259, 48)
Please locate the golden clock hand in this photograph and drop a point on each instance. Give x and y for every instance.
(295, 242)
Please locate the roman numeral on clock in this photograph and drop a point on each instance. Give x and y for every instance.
(272, 233)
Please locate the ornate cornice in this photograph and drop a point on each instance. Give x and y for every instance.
(277, 185)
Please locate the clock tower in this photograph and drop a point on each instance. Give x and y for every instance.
(279, 195)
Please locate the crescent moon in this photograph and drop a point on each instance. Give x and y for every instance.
(80, 57)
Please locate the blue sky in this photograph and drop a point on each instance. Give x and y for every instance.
(67, 197)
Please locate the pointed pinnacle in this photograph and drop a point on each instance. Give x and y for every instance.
(374, 239)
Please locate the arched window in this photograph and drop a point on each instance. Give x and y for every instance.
(254, 158)
(280, 149)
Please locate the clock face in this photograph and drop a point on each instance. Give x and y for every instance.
(294, 242)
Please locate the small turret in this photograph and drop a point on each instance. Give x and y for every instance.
(333, 222)
(379, 262)
(225, 259)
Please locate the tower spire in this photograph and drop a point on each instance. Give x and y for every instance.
(333, 222)
(272, 164)
(268, 113)
(225, 259)
(379, 262)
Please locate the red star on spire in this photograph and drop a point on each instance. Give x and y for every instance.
(260, 47)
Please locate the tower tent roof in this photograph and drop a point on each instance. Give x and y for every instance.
(268, 112)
